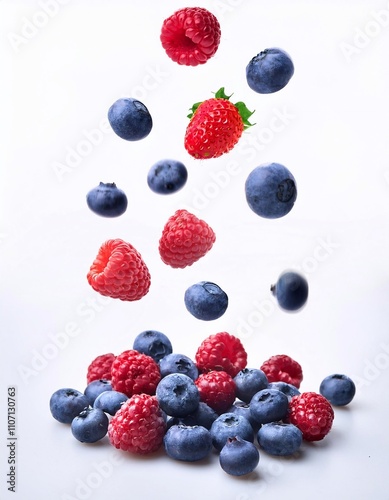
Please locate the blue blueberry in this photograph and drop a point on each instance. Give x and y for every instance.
(291, 291)
(271, 190)
(204, 416)
(178, 363)
(67, 403)
(153, 343)
(107, 200)
(269, 71)
(90, 425)
(229, 425)
(187, 443)
(93, 389)
(167, 176)
(238, 457)
(248, 382)
(243, 409)
(279, 439)
(288, 389)
(110, 401)
(177, 395)
(206, 301)
(339, 389)
(130, 119)
(269, 405)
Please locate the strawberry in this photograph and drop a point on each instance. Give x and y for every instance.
(185, 239)
(190, 36)
(215, 126)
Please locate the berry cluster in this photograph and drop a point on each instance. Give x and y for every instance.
(148, 396)
(154, 398)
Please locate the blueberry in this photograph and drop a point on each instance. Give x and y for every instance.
(291, 291)
(248, 382)
(177, 395)
(178, 363)
(269, 405)
(167, 176)
(187, 443)
(338, 389)
(271, 190)
(65, 404)
(107, 200)
(243, 409)
(130, 119)
(90, 425)
(229, 425)
(269, 71)
(110, 401)
(238, 457)
(279, 439)
(288, 389)
(206, 301)
(153, 343)
(204, 416)
(93, 389)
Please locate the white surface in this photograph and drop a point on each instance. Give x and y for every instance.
(57, 86)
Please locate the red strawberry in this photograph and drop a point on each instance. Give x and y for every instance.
(119, 271)
(100, 368)
(221, 351)
(215, 126)
(185, 239)
(139, 425)
(190, 36)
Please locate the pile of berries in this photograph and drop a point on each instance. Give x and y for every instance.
(149, 397)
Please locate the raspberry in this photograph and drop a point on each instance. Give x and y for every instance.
(282, 368)
(185, 239)
(100, 368)
(139, 426)
(221, 351)
(312, 413)
(119, 271)
(217, 390)
(133, 372)
(190, 36)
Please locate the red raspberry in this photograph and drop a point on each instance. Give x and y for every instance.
(312, 413)
(190, 36)
(185, 239)
(100, 368)
(282, 368)
(133, 372)
(119, 271)
(138, 426)
(221, 351)
(217, 390)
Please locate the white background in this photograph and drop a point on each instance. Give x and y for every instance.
(328, 126)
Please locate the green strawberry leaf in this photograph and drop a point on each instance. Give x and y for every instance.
(245, 114)
(243, 110)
